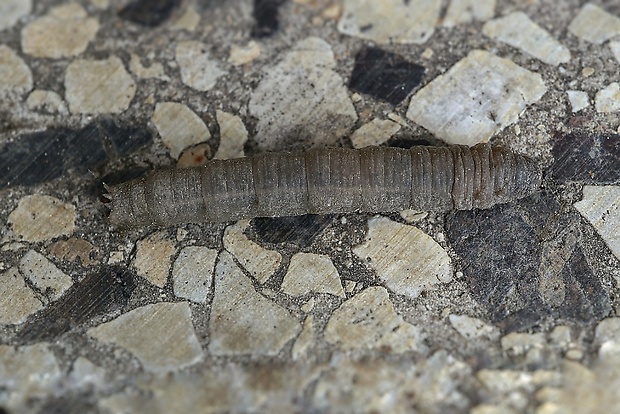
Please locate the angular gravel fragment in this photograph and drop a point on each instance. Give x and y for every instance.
(198, 69)
(179, 127)
(594, 24)
(601, 207)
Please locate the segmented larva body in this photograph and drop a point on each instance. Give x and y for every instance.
(322, 181)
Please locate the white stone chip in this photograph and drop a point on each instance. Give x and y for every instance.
(594, 24)
(302, 100)
(241, 55)
(47, 102)
(615, 49)
(506, 381)
(312, 273)
(242, 320)
(153, 257)
(179, 127)
(85, 376)
(98, 86)
(66, 31)
(42, 217)
(405, 258)
(517, 30)
(608, 98)
(155, 71)
(473, 328)
(27, 373)
(607, 330)
(192, 273)
(518, 343)
(198, 70)
(466, 11)
(160, 335)
(390, 21)
(306, 338)
(42, 273)
(233, 136)
(374, 133)
(478, 97)
(17, 301)
(601, 207)
(260, 262)
(13, 10)
(579, 100)
(368, 321)
(15, 75)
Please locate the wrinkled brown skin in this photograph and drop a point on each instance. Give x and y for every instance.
(322, 181)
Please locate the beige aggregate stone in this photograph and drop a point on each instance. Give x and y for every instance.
(155, 71)
(368, 321)
(98, 86)
(42, 217)
(306, 338)
(594, 24)
(241, 55)
(242, 320)
(100, 4)
(466, 11)
(473, 328)
(390, 21)
(615, 49)
(608, 98)
(192, 274)
(601, 207)
(11, 11)
(198, 70)
(312, 273)
(518, 30)
(374, 133)
(260, 262)
(309, 305)
(194, 156)
(160, 335)
(46, 277)
(188, 21)
(26, 372)
(517, 343)
(408, 260)
(579, 100)
(47, 102)
(64, 32)
(607, 330)
(233, 136)
(477, 97)
(17, 300)
(506, 381)
(15, 75)
(153, 258)
(85, 375)
(76, 250)
(179, 127)
(299, 96)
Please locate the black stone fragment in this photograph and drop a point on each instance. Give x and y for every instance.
(587, 158)
(41, 156)
(384, 75)
(265, 14)
(97, 294)
(150, 13)
(300, 230)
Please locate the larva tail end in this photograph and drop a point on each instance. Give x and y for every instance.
(122, 204)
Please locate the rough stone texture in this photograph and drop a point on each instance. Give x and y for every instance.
(608, 98)
(466, 11)
(11, 11)
(473, 328)
(27, 372)
(179, 127)
(311, 273)
(260, 262)
(242, 320)
(368, 321)
(176, 346)
(284, 119)
(98, 86)
(153, 258)
(17, 300)
(390, 21)
(66, 31)
(44, 276)
(233, 136)
(594, 24)
(374, 133)
(517, 30)
(405, 258)
(41, 217)
(192, 273)
(601, 207)
(76, 250)
(579, 100)
(15, 75)
(198, 69)
(479, 96)
(47, 102)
